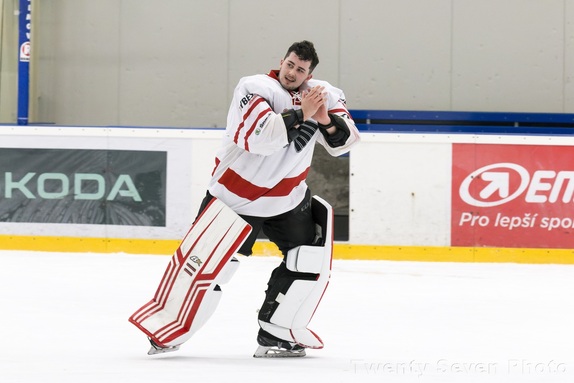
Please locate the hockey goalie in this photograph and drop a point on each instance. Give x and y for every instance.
(259, 185)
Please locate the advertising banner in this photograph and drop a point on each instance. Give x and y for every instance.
(83, 186)
(512, 196)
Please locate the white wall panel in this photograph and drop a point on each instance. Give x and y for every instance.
(175, 63)
(172, 63)
(508, 56)
(78, 62)
(568, 56)
(396, 54)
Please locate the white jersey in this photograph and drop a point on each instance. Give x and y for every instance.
(258, 172)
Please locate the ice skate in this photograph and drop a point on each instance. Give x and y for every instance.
(273, 347)
(156, 349)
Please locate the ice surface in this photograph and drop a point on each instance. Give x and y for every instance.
(64, 318)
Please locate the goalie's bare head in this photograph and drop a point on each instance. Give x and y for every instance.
(298, 64)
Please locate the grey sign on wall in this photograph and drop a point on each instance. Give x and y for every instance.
(101, 187)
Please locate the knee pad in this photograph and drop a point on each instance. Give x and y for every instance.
(297, 286)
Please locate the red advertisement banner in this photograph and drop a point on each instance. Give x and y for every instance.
(512, 196)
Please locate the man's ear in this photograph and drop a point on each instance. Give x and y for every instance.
(309, 77)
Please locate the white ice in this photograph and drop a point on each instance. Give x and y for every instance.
(64, 318)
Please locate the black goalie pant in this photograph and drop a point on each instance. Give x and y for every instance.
(288, 230)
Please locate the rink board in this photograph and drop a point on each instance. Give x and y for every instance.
(413, 196)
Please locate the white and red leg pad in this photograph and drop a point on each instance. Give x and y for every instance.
(188, 292)
(297, 306)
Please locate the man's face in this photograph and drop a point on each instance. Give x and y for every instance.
(293, 72)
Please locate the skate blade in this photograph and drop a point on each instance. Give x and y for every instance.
(155, 349)
(275, 352)
(161, 350)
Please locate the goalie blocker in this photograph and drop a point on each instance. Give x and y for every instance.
(189, 291)
(295, 290)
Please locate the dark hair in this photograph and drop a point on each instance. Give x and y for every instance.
(305, 50)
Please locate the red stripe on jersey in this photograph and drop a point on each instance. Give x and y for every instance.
(286, 186)
(252, 128)
(339, 110)
(217, 161)
(245, 189)
(256, 101)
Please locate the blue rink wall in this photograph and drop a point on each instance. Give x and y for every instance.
(427, 186)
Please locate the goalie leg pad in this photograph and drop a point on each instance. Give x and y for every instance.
(227, 272)
(189, 292)
(297, 286)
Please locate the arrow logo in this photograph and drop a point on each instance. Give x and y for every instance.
(498, 178)
(499, 181)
